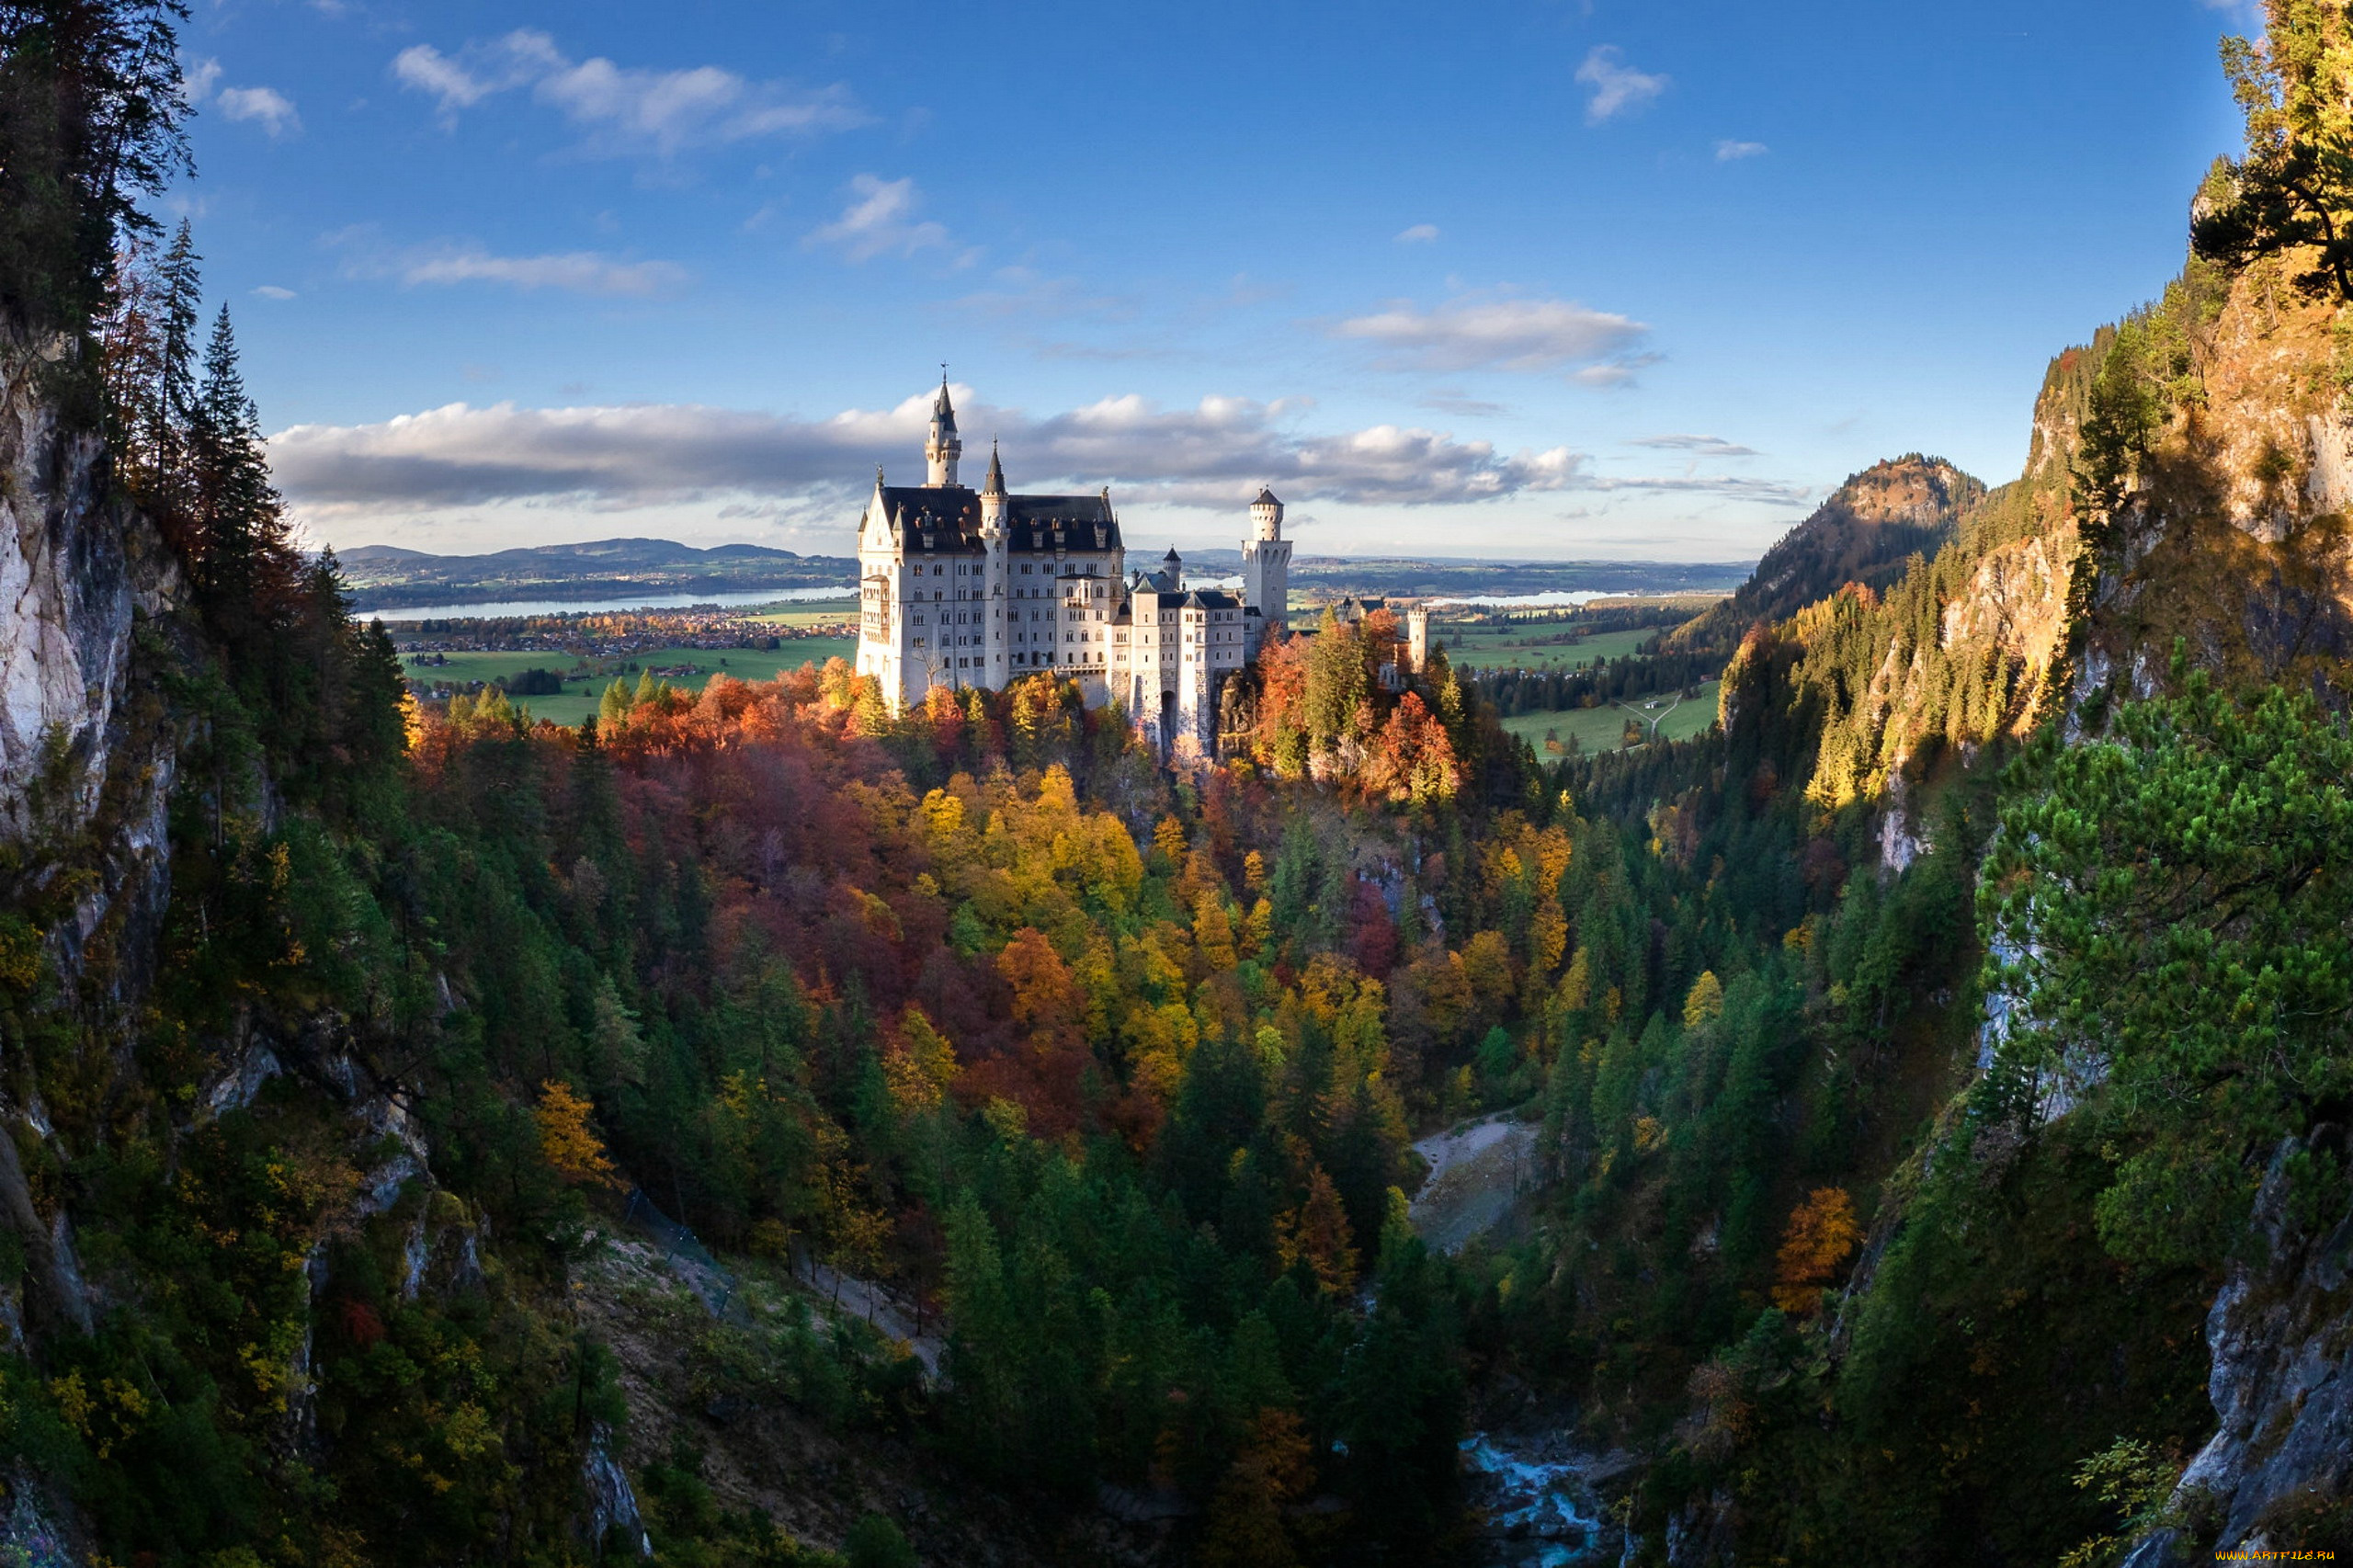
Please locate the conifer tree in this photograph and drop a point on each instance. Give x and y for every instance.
(91, 117)
(245, 564)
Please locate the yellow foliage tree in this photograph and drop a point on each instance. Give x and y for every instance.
(1705, 1002)
(1213, 932)
(1168, 838)
(919, 1064)
(567, 1143)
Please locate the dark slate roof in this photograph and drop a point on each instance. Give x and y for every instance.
(952, 515)
(1265, 498)
(1033, 520)
(1215, 598)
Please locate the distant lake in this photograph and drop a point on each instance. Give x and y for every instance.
(1553, 596)
(486, 610)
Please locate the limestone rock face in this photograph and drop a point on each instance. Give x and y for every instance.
(84, 773)
(2282, 1335)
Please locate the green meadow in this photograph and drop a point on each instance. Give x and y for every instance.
(1602, 728)
(579, 696)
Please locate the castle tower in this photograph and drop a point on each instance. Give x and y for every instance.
(943, 445)
(1417, 638)
(994, 571)
(1266, 567)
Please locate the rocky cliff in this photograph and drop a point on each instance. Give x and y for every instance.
(86, 743)
(2274, 1477)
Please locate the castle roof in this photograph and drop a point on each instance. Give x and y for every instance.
(950, 515)
(1265, 498)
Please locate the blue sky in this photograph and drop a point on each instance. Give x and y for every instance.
(1536, 278)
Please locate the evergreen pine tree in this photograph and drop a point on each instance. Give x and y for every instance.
(244, 566)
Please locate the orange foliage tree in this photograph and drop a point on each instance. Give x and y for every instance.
(1821, 1232)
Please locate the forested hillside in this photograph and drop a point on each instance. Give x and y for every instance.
(1865, 533)
(754, 1127)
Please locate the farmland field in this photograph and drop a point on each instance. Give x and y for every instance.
(1533, 645)
(1599, 729)
(579, 698)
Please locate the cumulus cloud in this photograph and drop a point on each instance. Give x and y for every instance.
(1698, 446)
(1419, 234)
(1210, 455)
(269, 107)
(266, 107)
(579, 272)
(1734, 152)
(1476, 332)
(1616, 86)
(197, 78)
(878, 221)
(625, 110)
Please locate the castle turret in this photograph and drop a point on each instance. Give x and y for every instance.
(943, 445)
(1266, 569)
(993, 493)
(1267, 515)
(995, 571)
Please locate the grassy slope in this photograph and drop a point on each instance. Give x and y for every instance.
(1535, 646)
(580, 698)
(1599, 728)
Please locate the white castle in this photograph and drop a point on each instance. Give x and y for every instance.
(961, 588)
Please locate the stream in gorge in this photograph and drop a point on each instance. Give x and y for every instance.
(1536, 1494)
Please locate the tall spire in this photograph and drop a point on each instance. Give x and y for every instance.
(994, 483)
(943, 445)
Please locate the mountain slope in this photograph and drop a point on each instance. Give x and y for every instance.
(386, 576)
(1864, 533)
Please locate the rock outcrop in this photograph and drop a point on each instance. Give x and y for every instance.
(87, 765)
(2278, 1475)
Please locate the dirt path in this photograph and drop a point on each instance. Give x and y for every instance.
(1477, 1171)
(850, 1294)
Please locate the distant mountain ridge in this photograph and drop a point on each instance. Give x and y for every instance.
(1866, 533)
(385, 577)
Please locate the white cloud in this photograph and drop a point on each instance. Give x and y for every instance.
(1476, 332)
(1211, 456)
(625, 110)
(272, 108)
(1698, 446)
(1734, 152)
(1419, 234)
(197, 78)
(269, 107)
(878, 221)
(1617, 372)
(1767, 492)
(579, 272)
(1617, 86)
(272, 292)
(426, 68)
